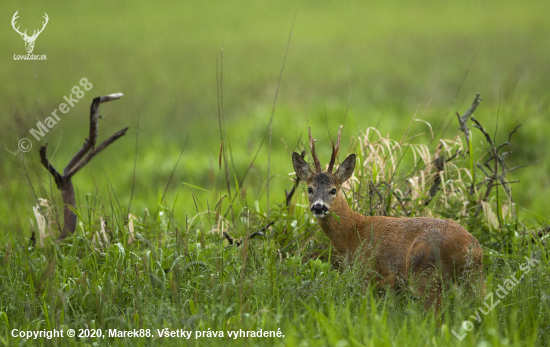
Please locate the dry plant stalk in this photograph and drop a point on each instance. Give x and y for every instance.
(432, 172)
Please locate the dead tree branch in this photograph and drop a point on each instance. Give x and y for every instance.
(373, 188)
(464, 119)
(498, 169)
(401, 203)
(238, 242)
(81, 158)
(440, 165)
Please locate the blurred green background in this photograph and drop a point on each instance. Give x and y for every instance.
(380, 61)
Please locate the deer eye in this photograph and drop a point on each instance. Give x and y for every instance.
(333, 191)
(310, 190)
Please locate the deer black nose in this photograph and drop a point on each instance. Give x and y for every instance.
(319, 208)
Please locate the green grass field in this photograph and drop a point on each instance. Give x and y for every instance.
(403, 68)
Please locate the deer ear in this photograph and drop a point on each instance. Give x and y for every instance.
(345, 170)
(301, 167)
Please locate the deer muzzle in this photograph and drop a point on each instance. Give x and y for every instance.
(319, 210)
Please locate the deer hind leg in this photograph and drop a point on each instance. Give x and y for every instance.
(425, 278)
(428, 287)
(471, 272)
(426, 283)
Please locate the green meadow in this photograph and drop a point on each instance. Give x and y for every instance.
(149, 254)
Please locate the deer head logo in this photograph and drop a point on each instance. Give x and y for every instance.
(29, 40)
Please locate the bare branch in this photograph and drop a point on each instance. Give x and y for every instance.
(454, 156)
(485, 180)
(95, 152)
(440, 165)
(524, 165)
(238, 242)
(80, 159)
(261, 231)
(480, 127)
(401, 203)
(373, 188)
(464, 119)
(507, 143)
(44, 160)
(228, 237)
(91, 140)
(482, 169)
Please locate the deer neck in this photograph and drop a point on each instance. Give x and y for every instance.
(342, 225)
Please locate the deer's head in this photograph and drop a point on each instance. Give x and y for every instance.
(323, 187)
(29, 40)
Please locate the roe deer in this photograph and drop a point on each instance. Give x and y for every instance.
(418, 251)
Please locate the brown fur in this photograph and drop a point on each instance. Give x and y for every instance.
(420, 252)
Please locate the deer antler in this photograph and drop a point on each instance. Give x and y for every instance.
(44, 26)
(14, 18)
(313, 154)
(335, 150)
